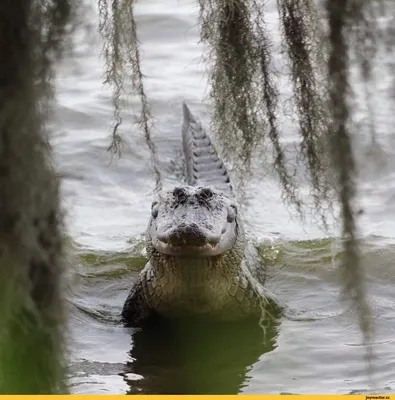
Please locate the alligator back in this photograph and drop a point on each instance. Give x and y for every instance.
(203, 165)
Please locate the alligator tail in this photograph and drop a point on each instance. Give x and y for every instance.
(203, 165)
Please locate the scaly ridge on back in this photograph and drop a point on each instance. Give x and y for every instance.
(203, 165)
(199, 261)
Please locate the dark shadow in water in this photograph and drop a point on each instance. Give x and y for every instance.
(197, 356)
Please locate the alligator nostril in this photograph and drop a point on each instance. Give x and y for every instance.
(214, 240)
(163, 237)
(190, 235)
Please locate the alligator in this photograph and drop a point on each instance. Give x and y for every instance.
(199, 260)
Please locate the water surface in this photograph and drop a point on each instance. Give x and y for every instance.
(108, 207)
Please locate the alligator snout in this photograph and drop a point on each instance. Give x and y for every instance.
(189, 235)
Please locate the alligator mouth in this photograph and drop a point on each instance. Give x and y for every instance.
(204, 250)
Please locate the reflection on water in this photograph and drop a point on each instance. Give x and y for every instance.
(323, 354)
(108, 207)
(198, 357)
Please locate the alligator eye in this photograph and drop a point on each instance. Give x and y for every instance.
(154, 209)
(179, 193)
(232, 212)
(206, 194)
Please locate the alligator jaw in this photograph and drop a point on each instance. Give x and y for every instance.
(184, 250)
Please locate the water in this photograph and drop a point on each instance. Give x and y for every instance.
(108, 206)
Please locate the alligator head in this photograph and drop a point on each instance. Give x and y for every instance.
(193, 221)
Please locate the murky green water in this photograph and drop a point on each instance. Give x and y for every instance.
(318, 348)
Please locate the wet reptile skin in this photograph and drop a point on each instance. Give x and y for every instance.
(227, 286)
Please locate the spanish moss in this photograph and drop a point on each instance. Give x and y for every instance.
(121, 51)
(364, 34)
(31, 246)
(227, 31)
(340, 21)
(270, 97)
(306, 52)
(245, 95)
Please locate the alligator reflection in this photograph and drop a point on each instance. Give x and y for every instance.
(198, 356)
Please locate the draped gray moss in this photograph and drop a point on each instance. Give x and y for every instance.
(31, 252)
(317, 44)
(244, 85)
(121, 52)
